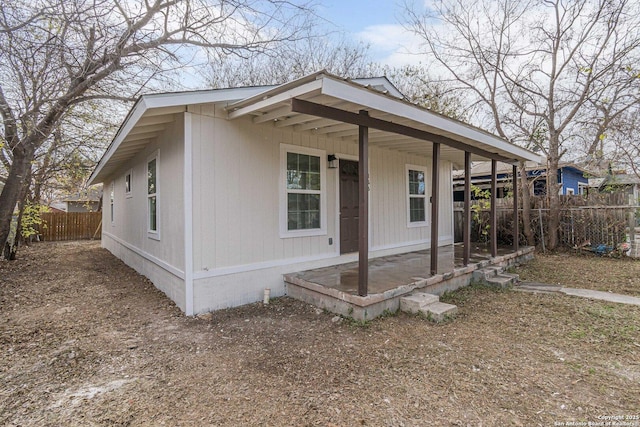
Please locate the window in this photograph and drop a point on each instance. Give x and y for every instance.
(416, 193)
(152, 197)
(127, 184)
(570, 192)
(582, 188)
(302, 210)
(111, 196)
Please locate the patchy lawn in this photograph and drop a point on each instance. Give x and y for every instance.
(621, 275)
(87, 341)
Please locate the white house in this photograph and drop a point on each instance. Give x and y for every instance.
(214, 195)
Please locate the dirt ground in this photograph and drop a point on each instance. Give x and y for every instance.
(87, 341)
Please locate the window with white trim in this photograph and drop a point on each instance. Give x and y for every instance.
(303, 201)
(152, 196)
(111, 197)
(416, 195)
(582, 188)
(127, 184)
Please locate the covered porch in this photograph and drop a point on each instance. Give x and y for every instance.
(390, 278)
(339, 109)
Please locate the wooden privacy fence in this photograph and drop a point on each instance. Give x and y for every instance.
(70, 226)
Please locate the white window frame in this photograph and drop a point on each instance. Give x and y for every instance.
(112, 197)
(153, 234)
(571, 192)
(282, 186)
(128, 191)
(582, 188)
(426, 195)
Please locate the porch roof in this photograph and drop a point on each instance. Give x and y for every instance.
(327, 105)
(393, 122)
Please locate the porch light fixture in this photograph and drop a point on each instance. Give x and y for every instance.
(332, 161)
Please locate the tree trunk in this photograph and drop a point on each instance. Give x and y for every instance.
(22, 201)
(552, 194)
(18, 236)
(10, 195)
(526, 205)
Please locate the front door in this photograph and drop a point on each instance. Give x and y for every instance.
(348, 206)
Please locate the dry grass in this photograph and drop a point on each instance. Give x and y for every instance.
(618, 275)
(86, 341)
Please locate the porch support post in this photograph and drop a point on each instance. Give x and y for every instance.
(516, 220)
(435, 198)
(363, 208)
(466, 238)
(494, 210)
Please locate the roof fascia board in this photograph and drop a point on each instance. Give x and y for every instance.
(136, 113)
(275, 99)
(163, 100)
(275, 90)
(350, 93)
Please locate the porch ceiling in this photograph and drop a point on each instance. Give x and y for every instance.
(396, 125)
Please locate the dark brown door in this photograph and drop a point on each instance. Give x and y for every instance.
(348, 206)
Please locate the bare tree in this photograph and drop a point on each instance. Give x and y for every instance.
(59, 54)
(623, 136)
(63, 163)
(421, 88)
(306, 56)
(538, 68)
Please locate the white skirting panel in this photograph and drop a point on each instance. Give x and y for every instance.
(168, 279)
(215, 290)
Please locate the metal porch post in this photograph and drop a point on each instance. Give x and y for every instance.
(466, 238)
(435, 198)
(494, 210)
(516, 220)
(363, 208)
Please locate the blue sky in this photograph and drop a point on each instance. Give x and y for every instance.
(358, 14)
(375, 22)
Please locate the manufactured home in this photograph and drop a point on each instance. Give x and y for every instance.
(214, 195)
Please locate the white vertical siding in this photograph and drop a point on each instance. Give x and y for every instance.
(237, 246)
(236, 195)
(127, 236)
(388, 199)
(237, 208)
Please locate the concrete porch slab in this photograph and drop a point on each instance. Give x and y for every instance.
(335, 288)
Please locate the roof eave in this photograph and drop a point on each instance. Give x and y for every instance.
(355, 93)
(156, 101)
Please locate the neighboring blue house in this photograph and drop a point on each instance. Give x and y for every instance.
(572, 179)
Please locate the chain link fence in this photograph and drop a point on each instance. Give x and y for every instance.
(600, 229)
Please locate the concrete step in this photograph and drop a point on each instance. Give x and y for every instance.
(515, 277)
(429, 305)
(495, 276)
(415, 302)
(484, 274)
(440, 311)
(502, 280)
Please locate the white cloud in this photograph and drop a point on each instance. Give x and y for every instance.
(392, 44)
